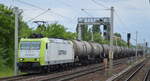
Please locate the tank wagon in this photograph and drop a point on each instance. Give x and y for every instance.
(39, 54)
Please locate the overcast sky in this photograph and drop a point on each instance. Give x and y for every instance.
(130, 15)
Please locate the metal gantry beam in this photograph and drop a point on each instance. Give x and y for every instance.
(94, 20)
(91, 21)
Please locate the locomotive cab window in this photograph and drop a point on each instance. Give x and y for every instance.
(46, 45)
(30, 45)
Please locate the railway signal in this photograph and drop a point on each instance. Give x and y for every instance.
(128, 39)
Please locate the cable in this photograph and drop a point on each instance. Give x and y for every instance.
(95, 9)
(29, 4)
(100, 4)
(60, 15)
(23, 2)
(41, 9)
(122, 23)
(65, 3)
(39, 15)
(120, 19)
(86, 12)
(70, 6)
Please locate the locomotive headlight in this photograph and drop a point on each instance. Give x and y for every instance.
(37, 59)
(21, 59)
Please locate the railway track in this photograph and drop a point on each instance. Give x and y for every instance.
(63, 76)
(14, 78)
(77, 74)
(147, 76)
(74, 74)
(130, 74)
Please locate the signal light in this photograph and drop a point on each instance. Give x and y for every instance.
(128, 36)
(105, 27)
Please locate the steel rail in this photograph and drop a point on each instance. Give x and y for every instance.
(132, 75)
(73, 75)
(147, 76)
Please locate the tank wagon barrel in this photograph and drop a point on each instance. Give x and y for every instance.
(97, 49)
(82, 48)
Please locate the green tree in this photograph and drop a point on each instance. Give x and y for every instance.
(41, 29)
(7, 34)
(55, 31)
(24, 30)
(1, 57)
(70, 35)
(119, 41)
(117, 35)
(96, 29)
(85, 33)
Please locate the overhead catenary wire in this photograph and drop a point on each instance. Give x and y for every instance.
(75, 9)
(100, 4)
(123, 24)
(70, 6)
(120, 19)
(29, 4)
(95, 9)
(86, 12)
(61, 15)
(66, 4)
(39, 15)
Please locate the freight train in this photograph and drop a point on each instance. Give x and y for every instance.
(45, 54)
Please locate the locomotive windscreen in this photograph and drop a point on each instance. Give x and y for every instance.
(30, 46)
(29, 49)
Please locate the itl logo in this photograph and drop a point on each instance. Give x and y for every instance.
(62, 52)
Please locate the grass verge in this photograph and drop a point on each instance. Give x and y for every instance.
(6, 72)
